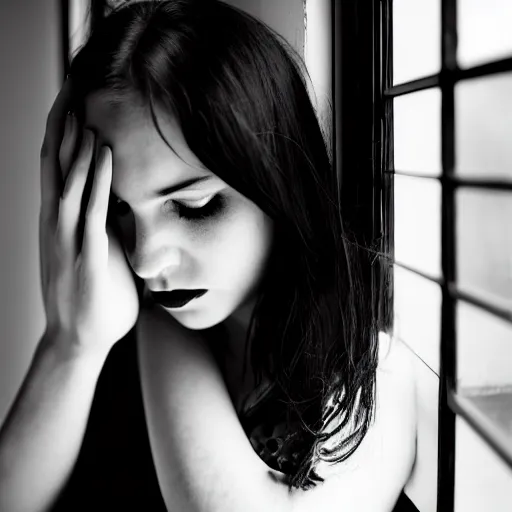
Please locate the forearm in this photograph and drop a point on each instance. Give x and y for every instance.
(42, 435)
(203, 458)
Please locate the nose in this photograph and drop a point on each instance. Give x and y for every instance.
(153, 253)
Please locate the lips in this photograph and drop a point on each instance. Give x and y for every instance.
(176, 298)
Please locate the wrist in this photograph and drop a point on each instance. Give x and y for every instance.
(65, 349)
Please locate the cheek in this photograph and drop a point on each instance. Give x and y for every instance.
(238, 248)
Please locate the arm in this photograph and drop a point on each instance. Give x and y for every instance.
(205, 462)
(90, 302)
(41, 437)
(202, 457)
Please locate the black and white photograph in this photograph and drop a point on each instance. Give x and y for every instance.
(256, 255)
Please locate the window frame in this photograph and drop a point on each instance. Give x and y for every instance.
(365, 192)
(451, 403)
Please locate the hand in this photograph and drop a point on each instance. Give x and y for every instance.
(89, 293)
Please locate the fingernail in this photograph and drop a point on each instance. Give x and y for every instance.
(104, 150)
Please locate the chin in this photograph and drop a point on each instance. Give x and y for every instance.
(198, 320)
(205, 315)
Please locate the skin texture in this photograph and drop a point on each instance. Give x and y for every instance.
(225, 253)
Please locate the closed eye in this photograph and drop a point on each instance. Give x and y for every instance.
(190, 210)
(200, 210)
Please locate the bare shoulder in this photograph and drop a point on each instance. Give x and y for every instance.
(396, 396)
(395, 411)
(395, 357)
(375, 474)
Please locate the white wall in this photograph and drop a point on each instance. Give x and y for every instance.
(318, 57)
(306, 25)
(29, 60)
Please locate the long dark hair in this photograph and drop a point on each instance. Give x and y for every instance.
(240, 94)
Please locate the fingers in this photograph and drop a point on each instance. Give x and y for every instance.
(68, 145)
(70, 204)
(51, 179)
(95, 243)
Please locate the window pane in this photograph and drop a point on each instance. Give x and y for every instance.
(483, 126)
(417, 303)
(483, 31)
(417, 223)
(417, 132)
(484, 245)
(482, 480)
(484, 380)
(484, 350)
(416, 39)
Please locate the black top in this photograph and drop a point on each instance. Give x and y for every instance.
(115, 469)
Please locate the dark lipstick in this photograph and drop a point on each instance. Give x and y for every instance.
(176, 298)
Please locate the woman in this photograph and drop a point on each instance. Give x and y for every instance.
(208, 240)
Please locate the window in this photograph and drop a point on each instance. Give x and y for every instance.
(445, 109)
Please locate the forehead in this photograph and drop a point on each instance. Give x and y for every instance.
(142, 161)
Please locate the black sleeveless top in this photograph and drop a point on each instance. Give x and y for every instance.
(114, 470)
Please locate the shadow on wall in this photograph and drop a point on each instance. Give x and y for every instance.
(29, 59)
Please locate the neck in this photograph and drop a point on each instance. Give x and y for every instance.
(236, 327)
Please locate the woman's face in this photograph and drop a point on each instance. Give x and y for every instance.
(182, 227)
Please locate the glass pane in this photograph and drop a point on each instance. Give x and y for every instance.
(483, 31)
(483, 126)
(417, 132)
(418, 223)
(416, 39)
(484, 350)
(417, 303)
(484, 244)
(482, 480)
